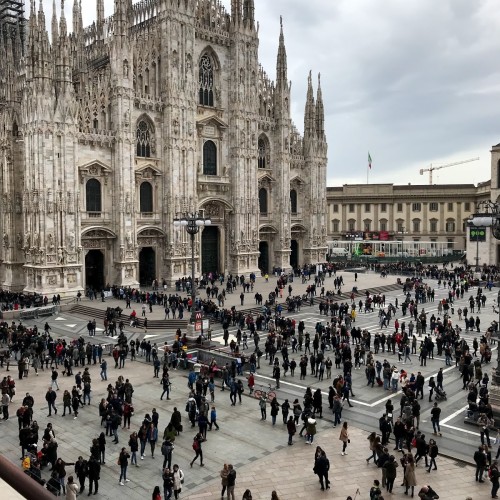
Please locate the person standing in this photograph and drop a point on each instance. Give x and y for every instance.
(50, 397)
(123, 463)
(435, 414)
(390, 469)
(321, 468)
(481, 461)
(310, 429)
(223, 474)
(495, 479)
(231, 482)
(168, 483)
(262, 405)
(152, 436)
(5, 405)
(178, 477)
(344, 437)
(275, 408)
(291, 428)
(53, 379)
(213, 418)
(410, 479)
(81, 471)
(71, 489)
(198, 439)
(94, 475)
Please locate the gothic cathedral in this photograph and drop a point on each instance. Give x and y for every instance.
(110, 132)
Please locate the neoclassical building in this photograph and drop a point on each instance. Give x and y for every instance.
(110, 131)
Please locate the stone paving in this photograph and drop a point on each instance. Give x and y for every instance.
(258, 450)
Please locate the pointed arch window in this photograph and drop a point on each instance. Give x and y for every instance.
(146, 198)
(293, 201)
(144, 136)
(206, 81)
(93, 196)
(263, 201)
(262, 161)
(209, 158)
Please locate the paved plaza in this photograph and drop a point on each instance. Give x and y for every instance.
(258, 451)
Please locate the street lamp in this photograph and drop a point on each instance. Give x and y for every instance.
(192, 221)
(489, 217)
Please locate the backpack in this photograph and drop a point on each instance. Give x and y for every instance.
(196, 445)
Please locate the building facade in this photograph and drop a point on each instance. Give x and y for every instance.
(436, 213)
(111, 131)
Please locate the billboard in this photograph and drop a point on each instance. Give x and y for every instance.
(477, 234)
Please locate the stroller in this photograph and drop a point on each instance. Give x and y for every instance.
(440, 395)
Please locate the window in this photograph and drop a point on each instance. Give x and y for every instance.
(263, 201)
(416, 207)
(206, 81)
(450, 207)
(263, 154)
(433, 226)
(383, 207)
(335, 226)
(351, 208)
(450, 242)
(433, 207)
(93, 195)
(293, 201)
(416, 226)
(383, 225)
(467, 206)
(144, 139)
(351, 225)
(146, 197)
(400, 226)
(336, 208)
(400, 207)
(367, 225)
(367, 207)
(450, 226)
(209, 158)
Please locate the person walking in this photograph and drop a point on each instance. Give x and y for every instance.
(390, 469)
(53, 379)
(310, 430)
(231, 482)
(262, 405)
(81, 471)
(321, 468)
(433, 453)
(275, 408)
(344, 437)
(152, 437)
(292, 429)
(50, 397)
(435, 414)
(123, 463)
(223, 474)
(198, 439)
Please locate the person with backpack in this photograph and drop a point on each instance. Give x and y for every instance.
(167, 448)
(375, 492)
(198, 439)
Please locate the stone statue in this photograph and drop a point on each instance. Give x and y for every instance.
(36, 239)
(50, 242)
(19, 241)
(60, 256)
(5, 240)
(71, 241)
(27, 239)
(128, 237)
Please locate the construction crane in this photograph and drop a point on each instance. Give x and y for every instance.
(431, 168)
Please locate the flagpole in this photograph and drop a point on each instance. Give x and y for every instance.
(367, 173)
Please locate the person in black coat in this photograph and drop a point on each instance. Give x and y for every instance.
(480, 459)
(321, 468)
(94, 471)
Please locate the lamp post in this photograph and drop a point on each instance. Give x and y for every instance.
(192, 221)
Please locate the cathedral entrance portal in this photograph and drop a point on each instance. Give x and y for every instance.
(147, 266)
(294, 257)
(264, 256)
(94, 270)
(210, 249)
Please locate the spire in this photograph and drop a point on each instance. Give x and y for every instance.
(41, 17)
(309, 115)
(100, 19)
(236, 11)
(249, 13)
(55, 30)
(320, 111)
(281, 64)
(122, 8)
(63, 26)
(77, 17)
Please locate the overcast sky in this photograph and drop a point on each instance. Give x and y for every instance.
(414, 82)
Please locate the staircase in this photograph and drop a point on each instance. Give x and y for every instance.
(90, 313)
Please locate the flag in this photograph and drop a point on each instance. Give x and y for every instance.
(369, 161)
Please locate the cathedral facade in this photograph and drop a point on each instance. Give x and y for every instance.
(110, 132)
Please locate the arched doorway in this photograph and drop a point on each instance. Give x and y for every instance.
(94, 269)
(210, 249)
(294, 257)
(147, 266)
(264, 256)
